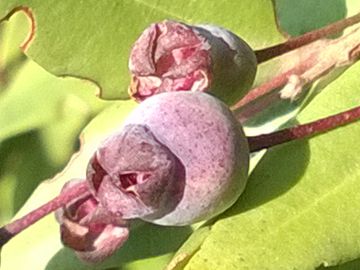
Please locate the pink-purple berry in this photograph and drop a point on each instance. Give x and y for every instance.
(174, 56)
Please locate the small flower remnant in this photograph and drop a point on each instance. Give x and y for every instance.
(87, 228)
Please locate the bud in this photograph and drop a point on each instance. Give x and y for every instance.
(173, 56)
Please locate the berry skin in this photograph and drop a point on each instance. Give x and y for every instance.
(173, 56)
(180, 158)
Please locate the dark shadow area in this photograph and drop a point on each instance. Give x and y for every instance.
(272, 107)
(298, 17)
(25, 158)
(352, 265)
(146, 241)
(277, 172)
(324, 82)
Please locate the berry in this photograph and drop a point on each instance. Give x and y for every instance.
(173, 56)
(179, 158)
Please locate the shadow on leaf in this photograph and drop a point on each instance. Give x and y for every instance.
(299, 17)
(24, 158)
(146, 241)
(280, 169)
(352, 265)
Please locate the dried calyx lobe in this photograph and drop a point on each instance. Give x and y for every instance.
(133, 175)
(172, 56)
(89, 229)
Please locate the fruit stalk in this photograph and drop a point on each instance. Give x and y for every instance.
(316, 62)
(10, 230)
(263, 141)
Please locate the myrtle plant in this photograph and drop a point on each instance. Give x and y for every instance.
(190, 152)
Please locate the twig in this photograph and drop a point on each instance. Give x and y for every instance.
(259, 142)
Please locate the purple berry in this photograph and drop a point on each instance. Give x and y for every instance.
(173, 56)
(180, 158)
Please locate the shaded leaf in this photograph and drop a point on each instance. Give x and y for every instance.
(312, 14)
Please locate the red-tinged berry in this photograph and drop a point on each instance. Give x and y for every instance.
(173, 56)
(179, 158)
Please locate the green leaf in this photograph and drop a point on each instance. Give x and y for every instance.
(38, 131)
(92, 39)
(313, 14)
(28, 158)
(12, 33)
(36, 98)
(32, 99)
(40, 119)
(301, 206)
(23, 163)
